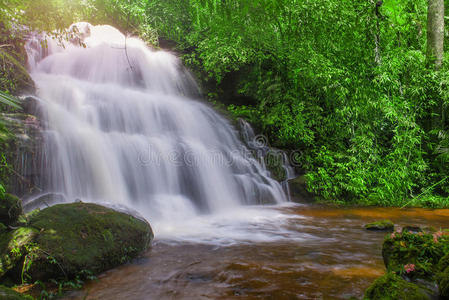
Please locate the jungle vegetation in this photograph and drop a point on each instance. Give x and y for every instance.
(360, 88)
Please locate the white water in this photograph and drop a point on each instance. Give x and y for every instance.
(121, 128)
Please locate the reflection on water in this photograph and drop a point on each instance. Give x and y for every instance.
(322, 253)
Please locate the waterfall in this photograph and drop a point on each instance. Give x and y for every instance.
(122, 126)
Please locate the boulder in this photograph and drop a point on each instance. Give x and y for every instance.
(66, 240)
(392, 286)
(421, 252)
(10, 208)
(384, 225)
(80, 237)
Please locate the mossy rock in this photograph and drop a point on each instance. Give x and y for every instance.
(13, 246)
(442, 278)
(80, 237)
(443, 264)
(423, 250)
(9, 294)
(274, 162)
(384, 225)
(392, 286)
(298, 189)
(10, 208)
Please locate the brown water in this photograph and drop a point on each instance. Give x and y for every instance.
(322, 253)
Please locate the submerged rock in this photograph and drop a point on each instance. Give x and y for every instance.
(384, 225)
(9, 294)
(69, 239)
(10, 208)
(392, 286)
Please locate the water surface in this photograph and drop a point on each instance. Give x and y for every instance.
(289, 252)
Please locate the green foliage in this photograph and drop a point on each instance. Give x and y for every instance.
(345, 82)
(366, 127)
(422, 250)
(8, 100)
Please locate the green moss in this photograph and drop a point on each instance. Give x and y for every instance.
(10, 208)
(275, 164)
(9, 294)
(80, 236)
(392, 286)
(13, 246)
(423, 250)
(384, 225)
(442, 278)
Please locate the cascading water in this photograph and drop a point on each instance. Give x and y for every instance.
(120, 127)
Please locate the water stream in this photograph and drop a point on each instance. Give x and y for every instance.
(122, 127)
(316, 253)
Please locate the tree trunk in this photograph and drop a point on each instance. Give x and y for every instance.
(435, 32)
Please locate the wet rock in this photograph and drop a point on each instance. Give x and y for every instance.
(384, 225)
(274, 162)
(9, 294)
(10, 208)
(83, 237)
(392, 286)
(22, 146)
(298, 189)
(45, 200)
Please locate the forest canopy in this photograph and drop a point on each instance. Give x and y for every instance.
(347, 83)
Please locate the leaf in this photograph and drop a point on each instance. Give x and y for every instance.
(9, 100)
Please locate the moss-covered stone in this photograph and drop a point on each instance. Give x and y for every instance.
(9, 294)
(422, 250)
(392, 286)
(442, 278)
(10, 208)
(298, 189)
(13, 246)
(383, 225)
(274, 162)
(84, 237)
